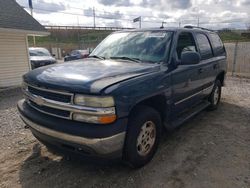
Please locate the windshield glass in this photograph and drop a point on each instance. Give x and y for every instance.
(39, 52)
(146, 46)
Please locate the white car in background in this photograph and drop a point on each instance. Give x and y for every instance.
(40, 57)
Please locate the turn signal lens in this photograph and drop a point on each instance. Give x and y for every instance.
(105, 119)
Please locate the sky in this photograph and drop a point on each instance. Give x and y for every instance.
(214, 14)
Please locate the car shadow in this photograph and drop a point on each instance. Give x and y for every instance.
(180, 152)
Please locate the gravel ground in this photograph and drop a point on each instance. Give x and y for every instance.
(211, 150)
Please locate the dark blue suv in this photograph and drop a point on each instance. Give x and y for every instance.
(117, 102)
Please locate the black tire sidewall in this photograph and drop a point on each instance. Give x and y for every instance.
(211, 98)
(137, 118)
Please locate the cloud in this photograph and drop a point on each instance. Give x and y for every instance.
(44, 7)
(115, 2)
(164, 4)
(245, 2)
(181, 4)
(103, 14)
(153, 12)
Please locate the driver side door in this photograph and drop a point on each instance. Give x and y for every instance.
(186, 79)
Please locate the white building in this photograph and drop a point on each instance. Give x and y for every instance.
(15, 25)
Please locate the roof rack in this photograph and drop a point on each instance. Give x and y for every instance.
(196, 27)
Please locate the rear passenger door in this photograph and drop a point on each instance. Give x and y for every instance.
(209, 63)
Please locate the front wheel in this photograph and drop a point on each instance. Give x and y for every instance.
(215, 96)
(143, 135)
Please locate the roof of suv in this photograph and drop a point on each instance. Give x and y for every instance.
(186, 28)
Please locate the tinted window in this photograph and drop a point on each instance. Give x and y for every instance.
(185, 43)
(217, 45)
(204, 46)
(74, 52)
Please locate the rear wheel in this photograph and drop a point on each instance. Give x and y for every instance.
(143, 135)
(215, 96)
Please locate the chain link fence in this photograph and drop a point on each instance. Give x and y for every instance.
(238, 58)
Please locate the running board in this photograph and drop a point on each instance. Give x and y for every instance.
(191, 113)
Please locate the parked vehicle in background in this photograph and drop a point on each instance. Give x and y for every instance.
(135, 83)
(40, 57)
(77, 54)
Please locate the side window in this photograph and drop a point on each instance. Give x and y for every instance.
(217, 44)
(204, 46)
(185, 43)
(74, 52)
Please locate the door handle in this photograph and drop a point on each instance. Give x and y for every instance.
(201, 70)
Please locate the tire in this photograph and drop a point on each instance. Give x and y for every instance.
(143, 136)
(215, 96)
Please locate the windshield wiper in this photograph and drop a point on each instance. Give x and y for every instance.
(97, 57)
(127, 58)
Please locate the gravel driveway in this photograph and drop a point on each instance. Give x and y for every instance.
(211, 150)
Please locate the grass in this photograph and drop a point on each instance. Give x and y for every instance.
(228, 36)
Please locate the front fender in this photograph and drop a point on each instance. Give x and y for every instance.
(131, 92)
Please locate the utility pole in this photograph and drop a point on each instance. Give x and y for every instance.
(140, 22)
(179, 23)
(198, 24)
(31, 12)
(94, 16)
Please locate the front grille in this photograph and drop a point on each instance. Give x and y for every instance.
(50, 95)
(59, 103)
(50, 111)
(47, 94)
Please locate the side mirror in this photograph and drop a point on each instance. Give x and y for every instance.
(190, 58)
(54, 55)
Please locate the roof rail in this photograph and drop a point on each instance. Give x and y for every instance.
(196, 27)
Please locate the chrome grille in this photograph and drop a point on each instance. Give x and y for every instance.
(50, 95)
(58, 103)
(36, 96)
(50, 111)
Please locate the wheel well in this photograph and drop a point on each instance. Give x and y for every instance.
(221, 77)
(157, 102)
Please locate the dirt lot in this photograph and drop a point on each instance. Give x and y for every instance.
(211, 150)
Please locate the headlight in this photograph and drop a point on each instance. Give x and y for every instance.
(105, 104)
(94, 101)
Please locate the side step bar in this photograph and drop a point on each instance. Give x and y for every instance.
(186, 116)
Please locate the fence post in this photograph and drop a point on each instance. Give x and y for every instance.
(235, 57)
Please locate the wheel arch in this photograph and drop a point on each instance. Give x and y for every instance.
(221, 77)
(157, 102)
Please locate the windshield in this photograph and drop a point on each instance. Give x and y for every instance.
(146, 46)
(39, 52)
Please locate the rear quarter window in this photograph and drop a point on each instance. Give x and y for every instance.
(217, 44)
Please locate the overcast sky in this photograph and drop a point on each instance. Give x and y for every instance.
(211, 13)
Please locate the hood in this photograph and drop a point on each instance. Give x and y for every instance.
(88, 75)
(42, 58)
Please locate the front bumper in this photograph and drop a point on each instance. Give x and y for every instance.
(101, 146)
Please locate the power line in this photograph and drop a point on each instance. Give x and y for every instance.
(156, 20)
(103, 11)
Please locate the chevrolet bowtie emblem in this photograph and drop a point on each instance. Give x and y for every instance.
(39, 100)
